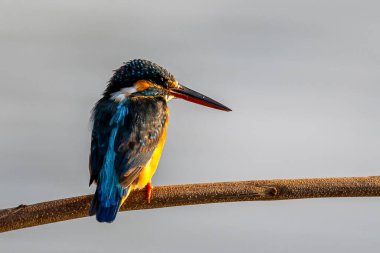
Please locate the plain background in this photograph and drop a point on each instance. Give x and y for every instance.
(302, 78)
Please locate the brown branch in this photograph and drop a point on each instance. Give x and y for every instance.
(193, 194)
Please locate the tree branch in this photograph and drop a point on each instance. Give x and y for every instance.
(194, 194)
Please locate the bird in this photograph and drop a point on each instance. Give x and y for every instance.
(129, 126)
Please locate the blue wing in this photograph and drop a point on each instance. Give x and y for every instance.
(136, 138)
(124, 137)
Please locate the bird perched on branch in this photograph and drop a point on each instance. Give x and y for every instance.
(129, 130)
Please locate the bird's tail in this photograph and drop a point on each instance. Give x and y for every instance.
(105, 208)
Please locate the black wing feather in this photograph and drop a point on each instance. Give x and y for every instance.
(135, 141)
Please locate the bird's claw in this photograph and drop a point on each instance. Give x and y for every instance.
(149, 188)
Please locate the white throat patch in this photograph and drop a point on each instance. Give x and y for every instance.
(169, 97)
(123, 93)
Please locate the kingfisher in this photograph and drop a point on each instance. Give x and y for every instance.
(129, 125)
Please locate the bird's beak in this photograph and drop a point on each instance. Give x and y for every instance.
(190, 95)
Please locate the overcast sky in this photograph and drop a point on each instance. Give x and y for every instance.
(302, 78)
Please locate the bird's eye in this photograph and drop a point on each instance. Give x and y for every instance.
(166, 84)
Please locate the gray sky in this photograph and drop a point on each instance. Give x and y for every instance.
(302, 78)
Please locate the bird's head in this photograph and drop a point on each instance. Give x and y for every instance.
(142, 78)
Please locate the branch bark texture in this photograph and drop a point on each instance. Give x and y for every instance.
(194, 194)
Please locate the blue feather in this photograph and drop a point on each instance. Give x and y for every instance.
(109, 192)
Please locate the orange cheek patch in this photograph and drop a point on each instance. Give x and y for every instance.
(174, 84)
(142, 85)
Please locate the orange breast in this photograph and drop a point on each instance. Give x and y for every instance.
(149, 169)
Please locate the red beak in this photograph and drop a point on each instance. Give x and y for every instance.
(196, 97)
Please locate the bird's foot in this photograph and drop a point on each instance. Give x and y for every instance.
(149, 188)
